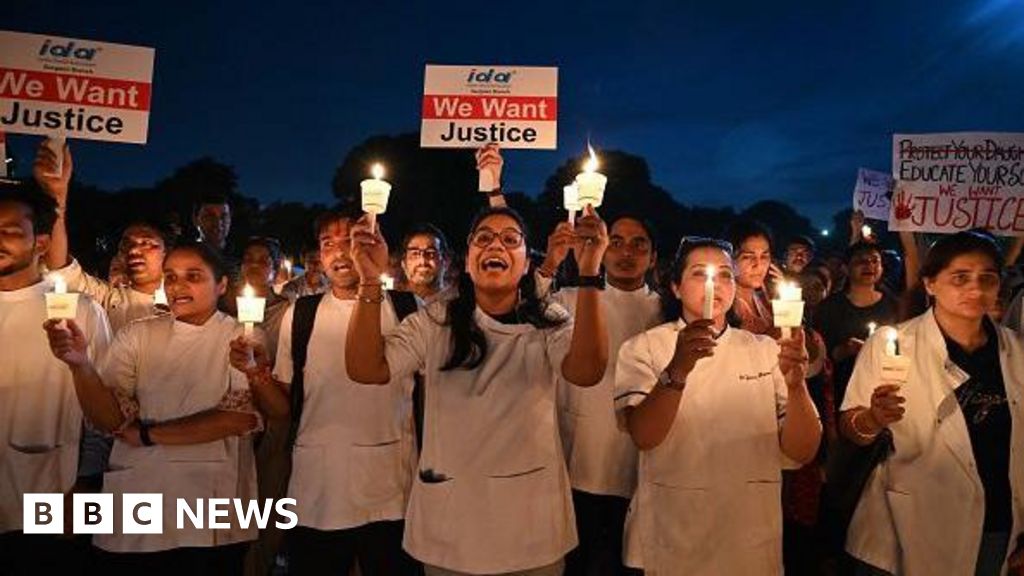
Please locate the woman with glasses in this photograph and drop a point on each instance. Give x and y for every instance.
(716, 412)
(948, 499)
(492, 494)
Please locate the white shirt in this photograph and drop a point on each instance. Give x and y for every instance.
(708, 499)
(174, 369)
(923, 509)
(492, 432)
(122, 304)
(601, 456)
(355, 450)
(40, 418)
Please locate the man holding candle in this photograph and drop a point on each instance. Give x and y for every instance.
(354, 448)
(40, 417)
(142, 248)
(600, 456)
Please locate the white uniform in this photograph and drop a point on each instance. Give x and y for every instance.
(923, 509)
(174, 369)
(492, 432)
(601, 456)
(355, 451)
(40, 418)
(708, 499)
(123, 304)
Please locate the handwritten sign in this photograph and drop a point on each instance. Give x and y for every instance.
(74, 88)
(958, 181)
(871, 194)
(470, 106)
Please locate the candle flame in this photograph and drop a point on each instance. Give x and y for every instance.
(710, 272)
(377, 170)
(60, 286)
(591, 164)
(248, 292)
(871, 328)
(789, 291)
(891, 335)
(866, 231)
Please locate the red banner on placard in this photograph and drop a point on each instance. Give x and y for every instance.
(472, 107)
(71, 89)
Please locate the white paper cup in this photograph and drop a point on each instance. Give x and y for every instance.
(375, 196)
(591, 188)
(61, 306)
(787, 313)
(895, 370)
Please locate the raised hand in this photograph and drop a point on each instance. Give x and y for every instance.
(590, 242)
(67, 342)
(369, 250)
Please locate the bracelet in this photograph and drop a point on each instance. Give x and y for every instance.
(596, 281)
(495, 192)
(856, 429)
(371, 300)
(144, 434)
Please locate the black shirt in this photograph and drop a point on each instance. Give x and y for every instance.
(983, 401)
(838, 320)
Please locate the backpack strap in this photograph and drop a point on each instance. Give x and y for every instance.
(405, 304)
(303, 316)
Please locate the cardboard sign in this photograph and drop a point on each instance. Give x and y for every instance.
(871, 194)
(470, 106)
(958, 181)
(74, 88)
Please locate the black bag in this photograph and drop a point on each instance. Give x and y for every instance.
(847, 471)
(303, 317)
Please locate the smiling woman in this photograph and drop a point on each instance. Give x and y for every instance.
(489, 357)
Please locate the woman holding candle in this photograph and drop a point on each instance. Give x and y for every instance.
(948, 500)
(716, 411)
(492, 494)
(182, 427)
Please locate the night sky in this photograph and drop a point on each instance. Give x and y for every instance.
(730, 102)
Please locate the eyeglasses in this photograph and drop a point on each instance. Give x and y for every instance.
(424, 253)
(510, 237)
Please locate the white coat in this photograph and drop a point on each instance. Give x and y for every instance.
(708, 500)
(923, 510)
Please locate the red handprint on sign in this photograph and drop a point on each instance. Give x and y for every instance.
(902, 204)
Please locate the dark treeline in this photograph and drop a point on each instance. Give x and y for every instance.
(430, 185)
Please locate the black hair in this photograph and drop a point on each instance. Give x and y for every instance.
(469, 343)
(861, 247)
(743, 230)
(272, 245)
(207, 197)
(647, 225)
(947, 248)
(349, 211)
(208, 255)
(426, 229)
(41, 206)
(803, 240)
(159, 229)
(671, 307)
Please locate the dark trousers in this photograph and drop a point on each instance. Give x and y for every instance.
(600, 521)
(377, 547)
(24, 554)
(224, 560)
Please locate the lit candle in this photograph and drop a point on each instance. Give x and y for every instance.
(590, 182)
(571, 201)
(288, 267)
(250, 309)
(709, 292)
(866, 231)
(895, 366)
(60, 304)
(871, 328)
(160, 296)
(891, 340)
(388, 281)
(375, 193)
(788, 308)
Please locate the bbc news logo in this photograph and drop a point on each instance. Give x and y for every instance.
(143, 513)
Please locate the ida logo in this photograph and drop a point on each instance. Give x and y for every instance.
(69, 50)
(488, 76)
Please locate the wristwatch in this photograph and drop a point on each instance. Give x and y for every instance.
(596, 281)
(665, 380)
